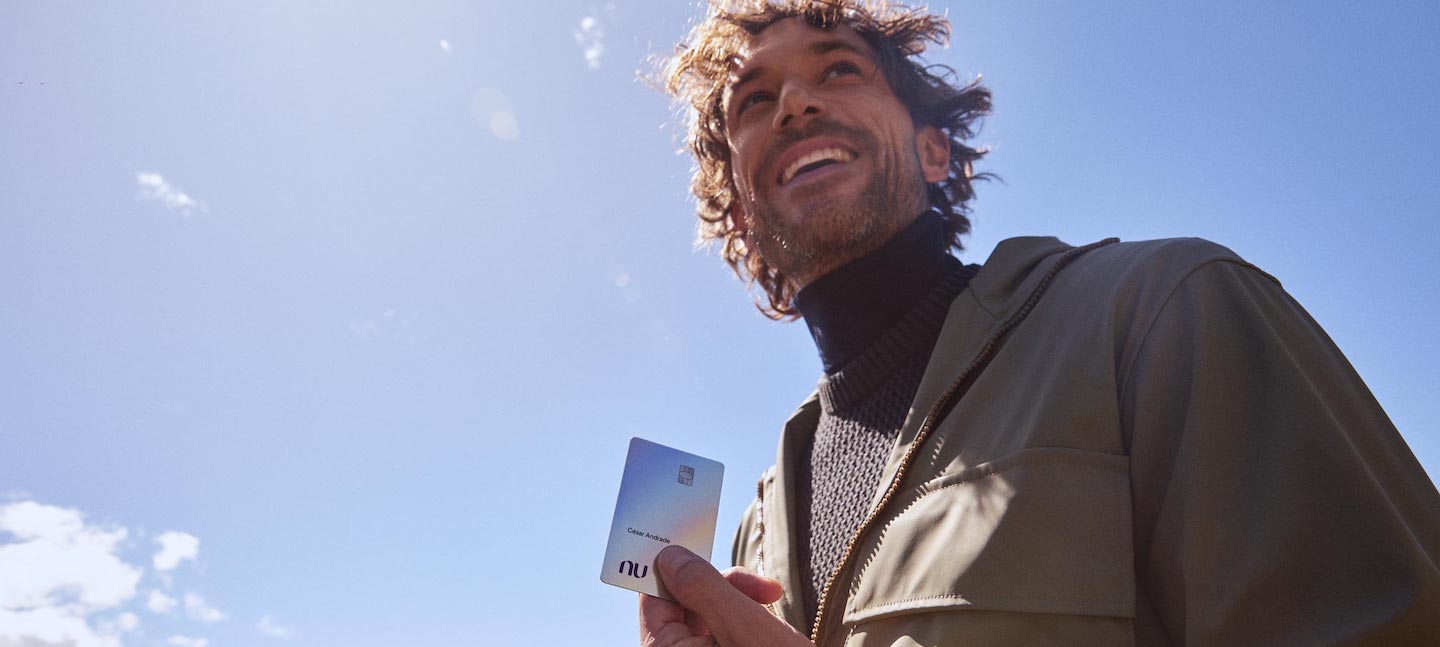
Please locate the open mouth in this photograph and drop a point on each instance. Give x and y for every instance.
(814, 161)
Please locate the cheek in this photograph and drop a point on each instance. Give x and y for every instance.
(740, 174)
(742, 169)
(898, 130)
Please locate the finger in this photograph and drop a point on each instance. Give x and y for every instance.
(760, 589)
(697, 624)
(657, 612)
(676, 635)
(756, 587)
(725, 610)
(662, 622)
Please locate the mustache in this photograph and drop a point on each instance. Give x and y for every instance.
(815, 128)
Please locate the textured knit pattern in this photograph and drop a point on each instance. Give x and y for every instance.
(863, 406)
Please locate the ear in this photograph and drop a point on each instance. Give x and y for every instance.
(737, 217)
(933, 148)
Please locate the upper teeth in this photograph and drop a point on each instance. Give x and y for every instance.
(834, 153)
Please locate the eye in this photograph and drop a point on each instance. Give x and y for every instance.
(843, 68)
(750, 100)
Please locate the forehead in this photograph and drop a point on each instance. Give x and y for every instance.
(789, 41)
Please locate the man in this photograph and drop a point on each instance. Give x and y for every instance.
(1120, 443)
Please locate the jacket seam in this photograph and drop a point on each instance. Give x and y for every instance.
(886, 607)
(980, 304)
(1125, 372)
(989, 472)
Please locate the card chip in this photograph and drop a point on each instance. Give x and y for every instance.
(687, 475)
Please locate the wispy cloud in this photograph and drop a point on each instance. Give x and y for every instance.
(58, 571)
(126, 622)
(160, 603)
(198, 609)
(445, 45)
(388, 325)
(8, 496)
(175, 547)
(591, 39)
(186, 641)
(154, 188)
(269, 627)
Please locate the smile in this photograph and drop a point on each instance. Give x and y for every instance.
(814, 160)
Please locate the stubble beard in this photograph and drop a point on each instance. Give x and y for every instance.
(835, 231)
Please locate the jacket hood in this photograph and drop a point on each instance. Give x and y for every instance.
(1005, 272)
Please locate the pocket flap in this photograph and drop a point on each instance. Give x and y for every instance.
(1043, 530)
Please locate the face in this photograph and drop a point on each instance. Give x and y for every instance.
(828, 163)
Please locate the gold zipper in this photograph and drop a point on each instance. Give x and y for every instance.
(940, 407)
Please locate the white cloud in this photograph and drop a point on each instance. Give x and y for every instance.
(154, 188)
(62, 583)
(186, 641)
(175, 547)
(127, 622)
(445, 45)
(591, 39)
(269, 627)
(160, 603)
(58, 570)
(122, 624)
(198, 609)
(49, 627)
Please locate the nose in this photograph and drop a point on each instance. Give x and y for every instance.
(797, 105)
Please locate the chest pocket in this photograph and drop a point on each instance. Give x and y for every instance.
(979, 552)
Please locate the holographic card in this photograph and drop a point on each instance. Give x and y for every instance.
(666, 497)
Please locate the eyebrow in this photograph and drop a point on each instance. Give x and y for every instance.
(818, 48)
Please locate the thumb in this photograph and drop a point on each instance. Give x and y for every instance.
(703, 590)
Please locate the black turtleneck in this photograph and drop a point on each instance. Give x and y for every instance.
(853, 305)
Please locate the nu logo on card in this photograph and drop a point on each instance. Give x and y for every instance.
(632, 569)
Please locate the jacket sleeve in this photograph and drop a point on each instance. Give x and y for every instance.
(1274, 501)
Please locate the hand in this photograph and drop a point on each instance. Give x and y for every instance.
(715, 608)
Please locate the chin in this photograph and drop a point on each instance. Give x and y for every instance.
(835, 229)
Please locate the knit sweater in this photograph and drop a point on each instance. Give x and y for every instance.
(865, 401)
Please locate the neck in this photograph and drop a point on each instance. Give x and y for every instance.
(849, 307)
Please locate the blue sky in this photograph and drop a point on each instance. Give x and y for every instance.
(329, 322)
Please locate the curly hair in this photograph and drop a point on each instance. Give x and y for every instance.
(697, 73)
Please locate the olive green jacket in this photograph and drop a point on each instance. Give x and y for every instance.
(1126, 443)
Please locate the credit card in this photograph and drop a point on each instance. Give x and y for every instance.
(666, 497)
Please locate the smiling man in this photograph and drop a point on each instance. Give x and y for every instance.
(1118, 443)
